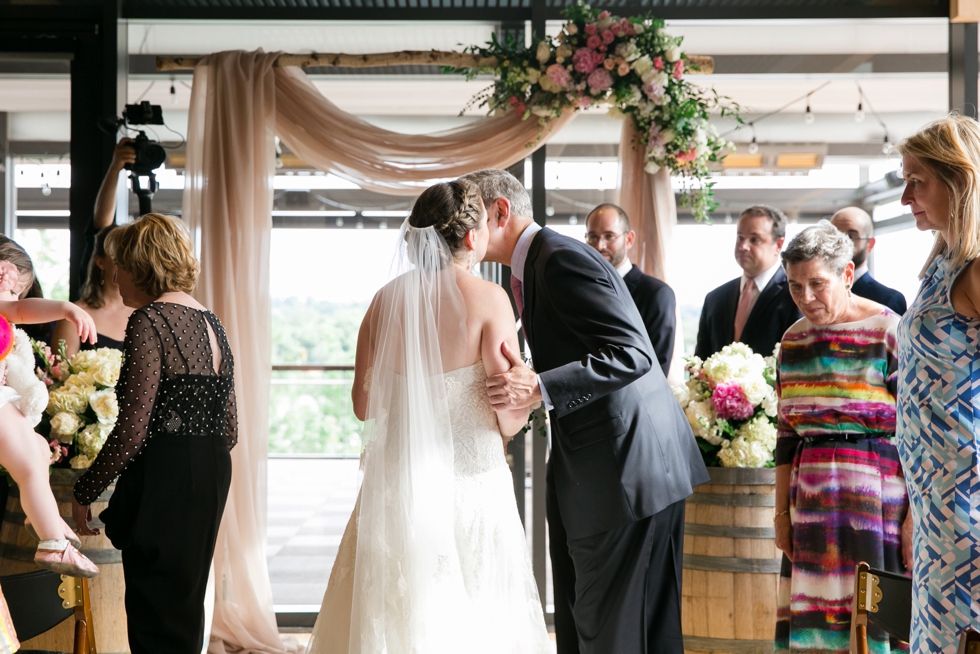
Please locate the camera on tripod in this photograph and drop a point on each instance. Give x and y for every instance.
(150, 155)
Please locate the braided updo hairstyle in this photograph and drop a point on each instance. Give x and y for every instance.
(452, 208)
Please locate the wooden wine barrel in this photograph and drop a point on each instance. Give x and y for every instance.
(731, 565)
(106, 591)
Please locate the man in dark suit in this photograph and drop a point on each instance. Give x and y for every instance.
(609, 232)
(756, 308)
(857, 224)
(623, 456)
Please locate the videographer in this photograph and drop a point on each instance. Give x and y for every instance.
(105, 201)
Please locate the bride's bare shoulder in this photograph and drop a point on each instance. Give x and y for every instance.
(482, 296)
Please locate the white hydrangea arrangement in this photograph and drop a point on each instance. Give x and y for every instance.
(730, 400)
(82, 406)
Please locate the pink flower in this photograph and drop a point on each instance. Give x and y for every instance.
(598, 57)
(584, 63)
(616, 29)
(608, 37)
(609, 63)
(658, 64)
(594, 41)
(623, 69)
(518, 105)
(628, 29)
(600, 80)
(591, 29)
(678, 68)
(9, 277)
(557, 74)
(690, 155)
(731, 403)
(604, 15)
(654, 91)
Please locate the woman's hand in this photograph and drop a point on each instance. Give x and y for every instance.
(83, 322)
(905, 538)
(784, 534)
(82, 515)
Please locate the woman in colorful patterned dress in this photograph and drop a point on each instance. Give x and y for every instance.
(939, 402)
(840, 494)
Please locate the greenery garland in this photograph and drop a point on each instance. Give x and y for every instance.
(634, 66)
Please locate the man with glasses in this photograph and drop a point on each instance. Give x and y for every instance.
(857, 224)
(609, 232)
(756, 308)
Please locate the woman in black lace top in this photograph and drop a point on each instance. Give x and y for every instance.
(171, 445)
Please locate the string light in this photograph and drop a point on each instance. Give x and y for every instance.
(173, 92)
(808, 116)
(859, 115)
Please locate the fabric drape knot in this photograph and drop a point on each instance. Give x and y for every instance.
(745, 302)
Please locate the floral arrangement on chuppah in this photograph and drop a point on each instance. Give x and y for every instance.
(631, 64)
(82, 406)
(730, 400)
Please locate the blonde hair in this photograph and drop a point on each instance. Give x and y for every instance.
(156, 250)
(950, 149)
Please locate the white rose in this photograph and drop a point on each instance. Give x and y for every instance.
(83, 360)
(544, 52)
(672, 54)
(627, 51)
(756, 388)
(85, 378)
(64, 425)
(81, 462)
(639, 28)
(642, 65)
(634, 96)
(682, 393)
(105, 405)
(605, 23)
(69, 400)
(614, 112)
(771, 405)
(652, 168)
(106, 373)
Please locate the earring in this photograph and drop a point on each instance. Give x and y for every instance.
(102, 281)
(848, 291)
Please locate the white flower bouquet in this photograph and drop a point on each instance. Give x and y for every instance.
(730, 400)
(82, 406)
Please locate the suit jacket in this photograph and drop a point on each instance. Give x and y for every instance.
(875, 291)
(657, 306)
(622, 449)
(774, 312)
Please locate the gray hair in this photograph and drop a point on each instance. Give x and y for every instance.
(823, 241)
(496, 183)
(775, 216)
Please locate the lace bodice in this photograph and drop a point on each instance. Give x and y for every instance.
(167, 387)
(477, 444)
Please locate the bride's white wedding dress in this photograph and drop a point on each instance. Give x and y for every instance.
(484, 599)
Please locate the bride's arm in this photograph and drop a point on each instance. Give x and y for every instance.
(364, 359)
(500, 328)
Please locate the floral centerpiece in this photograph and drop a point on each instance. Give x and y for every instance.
(82, 405)
(633, 66)
(730, 400)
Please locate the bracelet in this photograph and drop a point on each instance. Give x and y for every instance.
(781, 513)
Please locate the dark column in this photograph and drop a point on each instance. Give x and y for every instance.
(963, 68)
(8, 191)
(516, 449)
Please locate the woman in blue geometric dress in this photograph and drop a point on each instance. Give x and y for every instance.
(939, 384)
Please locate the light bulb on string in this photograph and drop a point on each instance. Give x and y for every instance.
(173, 93)
(339, 222)
(754, 146)
(859, 114)
(383, 225)
(887, 145)
(45, 189)
(808, 117)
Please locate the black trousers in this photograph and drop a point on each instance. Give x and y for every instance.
(562, 574)
(628, 586)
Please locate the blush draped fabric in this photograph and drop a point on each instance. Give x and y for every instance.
(240, 101)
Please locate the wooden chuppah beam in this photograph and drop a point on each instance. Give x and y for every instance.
(698, 64)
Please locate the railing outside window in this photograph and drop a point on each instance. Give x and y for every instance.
(311, 413)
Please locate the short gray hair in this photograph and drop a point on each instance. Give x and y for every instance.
(822, 241)
(496, 183)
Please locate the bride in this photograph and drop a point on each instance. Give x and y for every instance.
(434, 558)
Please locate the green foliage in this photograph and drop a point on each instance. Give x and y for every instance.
(309, 332)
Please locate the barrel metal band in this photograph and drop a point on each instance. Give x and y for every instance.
(732, 500)
(26, 554)
(728, 564)
(18, 519)
(734, 646)
(726, 531)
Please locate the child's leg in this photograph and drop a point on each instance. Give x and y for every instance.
(26, 456)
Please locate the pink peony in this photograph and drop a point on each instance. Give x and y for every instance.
(731, 403)
(9, 277)
(690, 155)
(583, 102)
(604, 15)
(591, 29)
(557, 74)
(678, 68)
(608, 37)
(600, 80)
(594, 41)
(658, 64)
(584, 63)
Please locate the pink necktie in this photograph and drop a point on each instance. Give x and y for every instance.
(517, 289)
(744, 307)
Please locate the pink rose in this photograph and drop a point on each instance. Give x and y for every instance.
(594, 41)
(623, 69)
(616, 29)
(608, 37)
(609, 63)
(685, 157)
(658, 64)
(584, 63)
(600, 80)
(557, 74)
(730, 402)
(9, 277)
(628, 29)
(591, 29)
(598, 57)
(604, 15)
(678, 68)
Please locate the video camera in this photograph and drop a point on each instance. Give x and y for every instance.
(150, 155)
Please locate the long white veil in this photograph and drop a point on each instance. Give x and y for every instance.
(408, 587)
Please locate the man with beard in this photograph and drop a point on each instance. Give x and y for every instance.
(609, 232)
(857, 224)
(755, 309)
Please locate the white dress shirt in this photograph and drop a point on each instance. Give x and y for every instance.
(760, 283)
(624, 267)
(517, 261)
(860, 271)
